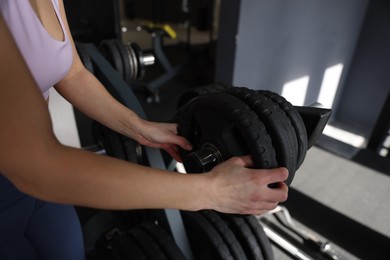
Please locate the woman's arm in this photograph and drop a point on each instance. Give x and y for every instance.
(84, 91)
(36, 163)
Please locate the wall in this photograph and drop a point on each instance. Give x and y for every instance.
(368, 81)
(276, 41)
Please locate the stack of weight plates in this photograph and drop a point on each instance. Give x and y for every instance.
(216, 236)
(237, 121)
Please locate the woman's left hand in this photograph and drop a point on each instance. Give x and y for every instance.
(163, 136)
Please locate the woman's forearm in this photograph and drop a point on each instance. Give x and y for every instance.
(84, 91)
(33, 160)
(73, 176)
(87, 94)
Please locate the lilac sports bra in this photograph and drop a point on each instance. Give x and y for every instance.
(48, 59)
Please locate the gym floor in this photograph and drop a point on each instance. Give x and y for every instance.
(342, 186)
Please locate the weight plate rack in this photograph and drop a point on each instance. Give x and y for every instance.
(220, 121)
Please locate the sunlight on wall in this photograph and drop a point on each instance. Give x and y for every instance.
(295, 91)
(384, 151)
(330, 84)
(345, 136)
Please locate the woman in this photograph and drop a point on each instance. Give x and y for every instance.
(40, 177)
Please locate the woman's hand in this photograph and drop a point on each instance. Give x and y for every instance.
(161, 135)
(238, 189)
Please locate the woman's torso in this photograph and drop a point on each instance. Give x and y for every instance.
(48, 57)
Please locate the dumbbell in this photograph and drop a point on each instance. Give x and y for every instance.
(222, 121)
(127, 58)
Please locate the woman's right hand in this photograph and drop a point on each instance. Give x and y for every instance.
(235, 188)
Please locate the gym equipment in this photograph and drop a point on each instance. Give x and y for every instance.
(117, 246)
(205, 241)
(145, 241)
(128, 59)
(117, 145)
(297, 122)
(226, 233)
(219, 126)
(85, 59)
(297, 242)
(163, 239)
(158, 32)
(222, 121)
(221, 236)
(260, 235)
(244, 236)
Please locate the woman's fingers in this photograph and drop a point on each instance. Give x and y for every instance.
(173, 151)
(177, 139)
(239, 189)
(275, 175)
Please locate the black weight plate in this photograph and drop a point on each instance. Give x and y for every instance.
(261, 237)
(124, 54)
(133, 151)
(194, 92)
(227, 123)
(205, 241)
(140, 60)
(296, 121)
(278, 126)
(226, 234)
(244, 235)
(147, 244)
(117, 145)
(133, 62)
(84, 56)
(96, 225)
(118, 247)
(110, 50)
(164, 240)
(109, 140)
(132, 218)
